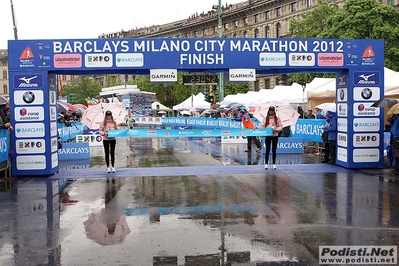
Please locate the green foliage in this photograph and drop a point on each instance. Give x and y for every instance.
(367, 19)
(313, 22)
(173, 94)
(82, 88)
(357, 19)
(234, 88)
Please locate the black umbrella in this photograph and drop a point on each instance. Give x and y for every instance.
(385, 102)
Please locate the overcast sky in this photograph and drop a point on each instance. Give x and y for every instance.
(77, 19)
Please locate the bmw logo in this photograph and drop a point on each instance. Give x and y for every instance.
(342, 95)
(366, 93)
(28, 97)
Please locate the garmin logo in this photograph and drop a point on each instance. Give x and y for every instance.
(163, 75)
(242, 74)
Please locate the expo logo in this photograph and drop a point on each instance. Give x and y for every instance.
(97, 58)
(29, 144)
(363, 138)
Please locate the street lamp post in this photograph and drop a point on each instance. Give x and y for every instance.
(13, 21)
(220, 34)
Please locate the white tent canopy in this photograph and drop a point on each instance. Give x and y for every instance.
(193, 102)
(392, 85)
(157, 106)
(324, 89)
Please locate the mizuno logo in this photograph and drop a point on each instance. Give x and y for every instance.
(27, 80)
(366, 77)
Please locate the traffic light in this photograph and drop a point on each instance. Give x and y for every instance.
(216, 93)
(71, 97)
(214, 101)
(208, 97)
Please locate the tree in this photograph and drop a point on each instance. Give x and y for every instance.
(313, 22)
(82, 88)
(357, 19)
(310, 25)
(367, 19)
(234, 88)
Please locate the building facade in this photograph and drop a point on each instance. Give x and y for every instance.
(248, 19)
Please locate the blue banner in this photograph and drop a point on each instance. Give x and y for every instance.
(68, 133)
(4, 145)
(289, 145)
(74, 150)
(195, 54)
(309, 129)
(174, 133)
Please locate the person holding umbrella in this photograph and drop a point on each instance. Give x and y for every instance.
(274, 122)
(109, 143)
(247, 123)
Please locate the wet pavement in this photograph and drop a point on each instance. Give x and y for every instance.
(194, 202)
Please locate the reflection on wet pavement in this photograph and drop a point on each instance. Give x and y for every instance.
(254, 219)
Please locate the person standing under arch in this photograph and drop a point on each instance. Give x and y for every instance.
(247, 123)
(274, 122)
(109, 143)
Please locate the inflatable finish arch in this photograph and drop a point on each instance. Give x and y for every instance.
(33, 64)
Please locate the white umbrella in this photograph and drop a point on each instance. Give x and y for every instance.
(287, 114)
(332, 107)
(3, 100)
(94, 115)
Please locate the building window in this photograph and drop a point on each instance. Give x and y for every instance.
(256, 33)
(205, 32)
(245, 34)
(178, 36)
(267, 32)
(293, 7)
(245, 21)
(278, 30)
(256, 85)
(215, 29)
(234, 35)
(309, 3)
(187, 35)
(257, 18)
(195, 34)
(277, 81)
(226, 26)
(235, 23)
(278, 12)
(5, 74)
(267, 84)
(391, 2)
(267, 15)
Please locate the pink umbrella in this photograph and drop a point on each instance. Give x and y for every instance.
(81, 108)
(94, 115)
(98, 230)
(284, 111)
